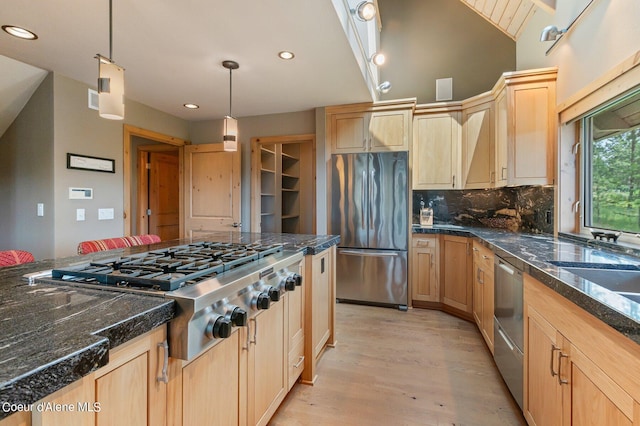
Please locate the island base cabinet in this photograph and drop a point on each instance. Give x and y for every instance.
(205, 390)
(125, 390)
(578, 371)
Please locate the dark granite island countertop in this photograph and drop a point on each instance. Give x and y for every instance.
(536, 250)
(52, 335)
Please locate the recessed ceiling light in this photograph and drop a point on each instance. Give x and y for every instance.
(191, 106)
(19, 32)
(285, 54)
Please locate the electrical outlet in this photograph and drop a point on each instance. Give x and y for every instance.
(79, 215)
(549, 217)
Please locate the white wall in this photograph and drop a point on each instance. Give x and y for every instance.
(606, 35)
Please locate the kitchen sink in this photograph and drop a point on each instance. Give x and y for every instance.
(620, 278)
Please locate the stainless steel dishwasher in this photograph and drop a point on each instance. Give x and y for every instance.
(508, 323)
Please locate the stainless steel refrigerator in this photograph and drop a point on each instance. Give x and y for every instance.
(369, 210)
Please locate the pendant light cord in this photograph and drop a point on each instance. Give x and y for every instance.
(110, 31)
(230, 90)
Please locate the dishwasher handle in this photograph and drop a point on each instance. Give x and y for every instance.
(506, 268)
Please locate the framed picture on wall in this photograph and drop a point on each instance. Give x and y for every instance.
(86, 162)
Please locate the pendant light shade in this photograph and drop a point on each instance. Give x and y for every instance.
(230, 138)
(110, 90)
(230, 135)
(110, 81)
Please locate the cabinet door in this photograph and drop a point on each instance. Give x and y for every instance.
(531, 118)
(478, 146)
(456, 273)
(267, 364)
(322, 295)
(295, 330)
(200, 403)
(123, 393)
(349, 132)
(543, 396)
(501, 156)
(436, 151)
(389, 131)
(595, 398)
(424, 267)
(478, 296)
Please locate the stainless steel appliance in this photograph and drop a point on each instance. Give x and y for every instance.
(369, 210)
(216, 286)
(508, 324)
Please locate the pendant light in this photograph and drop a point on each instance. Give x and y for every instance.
(230, 136)
(110, 82)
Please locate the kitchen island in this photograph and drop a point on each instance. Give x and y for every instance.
(54, 335)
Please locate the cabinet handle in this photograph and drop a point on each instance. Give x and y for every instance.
(561, 381)
(553, 349)
(504, 169)
(255, 332)
(481, 280)
(453, 185)
(422, 243)
(475, 249)
(163, 377)
(300, 361)
(492, 177)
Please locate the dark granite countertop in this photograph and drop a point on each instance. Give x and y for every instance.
(536, 250)
(52, 335)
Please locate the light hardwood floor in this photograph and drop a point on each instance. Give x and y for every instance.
(419, 367)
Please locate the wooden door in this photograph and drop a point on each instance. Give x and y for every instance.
(349, 132)
(164, 196)
(389, 131)
(212, 190)
(424, 277)
(478, 146)
(501, 131)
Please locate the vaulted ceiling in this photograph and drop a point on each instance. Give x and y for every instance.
(509, 16)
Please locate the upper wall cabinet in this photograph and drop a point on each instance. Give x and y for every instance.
(526, 122)
(383, 126)
(478, 142)
(436, 146)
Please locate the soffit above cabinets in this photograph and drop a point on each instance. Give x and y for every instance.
(509, 16)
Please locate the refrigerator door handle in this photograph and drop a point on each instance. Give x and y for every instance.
(363, 200)
(365, 254)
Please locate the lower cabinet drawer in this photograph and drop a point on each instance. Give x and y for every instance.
(296, 363)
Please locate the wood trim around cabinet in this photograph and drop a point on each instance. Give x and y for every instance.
(128, 133)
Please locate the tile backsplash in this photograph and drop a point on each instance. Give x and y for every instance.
(520, 208)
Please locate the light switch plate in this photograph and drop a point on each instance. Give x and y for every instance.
(40, 209)
(105, 214)
(79, 215)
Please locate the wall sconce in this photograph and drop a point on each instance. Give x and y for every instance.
(230, 135)
(365, 11)
(551, 33)
(378, 59)
(110, 82)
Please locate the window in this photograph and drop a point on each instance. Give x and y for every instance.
(612, 166)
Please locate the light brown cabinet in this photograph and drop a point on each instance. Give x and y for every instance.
(383, 126)
(319, 309)
(424, 268)
(437, 148)
(294, 325)
(483, 288)
(266, 364)
(126, 388)
(577, 370)
(478, 142)
(526, 126)
(455, 274)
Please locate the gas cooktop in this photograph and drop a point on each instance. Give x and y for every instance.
(166, 269)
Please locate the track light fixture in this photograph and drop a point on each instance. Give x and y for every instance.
(365, 11)
(384, 87)
(551, 33)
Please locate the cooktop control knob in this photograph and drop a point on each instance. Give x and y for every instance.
(218, 327)
(238, 317)
(289, 283)
(261, 301)
(274, 294)
(297, 278)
